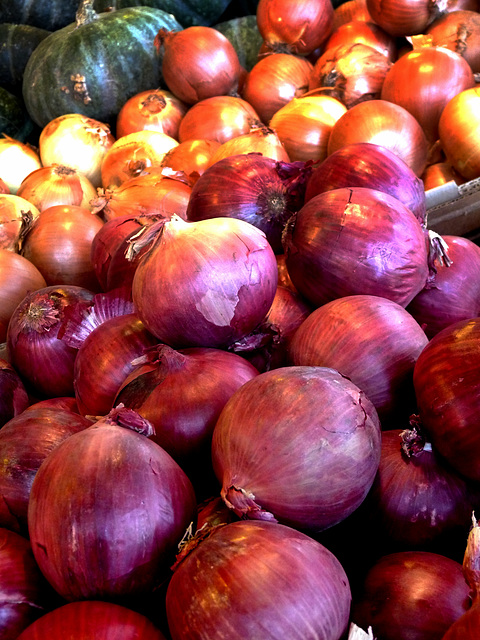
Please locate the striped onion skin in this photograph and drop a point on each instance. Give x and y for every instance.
(94, 68)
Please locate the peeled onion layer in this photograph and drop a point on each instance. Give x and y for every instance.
(258, 580)
(299, 445)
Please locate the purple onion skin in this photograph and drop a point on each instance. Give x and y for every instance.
(25, 442)
(454, 293)
(92, 619)
(24, 592)
(373, 341)
(107, 510)
(364, 164)
(412, 595)
(297, 445)
(466, 627)
(356, 240)
(251, 187)
(446, 379)
(258, 580)
(13, 395)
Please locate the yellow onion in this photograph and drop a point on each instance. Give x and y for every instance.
(17, 160)
(16, 216)
(262, 140)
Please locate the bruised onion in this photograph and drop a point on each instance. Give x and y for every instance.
(251, 187)
(25, 441)
(107, 509)
(258, 579)
(13, 395)
(225, 286)
(458, 31)
(299, 445)
(356, 241)
(373, 341)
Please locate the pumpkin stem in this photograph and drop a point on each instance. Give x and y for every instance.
(85, 13)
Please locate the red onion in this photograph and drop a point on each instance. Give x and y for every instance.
(371, 340)
(417, 502)
(105, 359)
(25, 441)
(107, 509)
(205, 283)
(446, 378)
(251, 187)
(356, 241)
(298, 445)
(13, 395)
(70, 404)
(24, 592)
(182, 394)
(258, 580)
(92, 619)
(412, 595)
(43, 361)
(454, 292)
(364, 164)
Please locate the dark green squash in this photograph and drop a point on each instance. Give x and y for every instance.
(17, 43)
(243, 33)
(14, 120)
(187, 12)
(45, 14)
(93, 66)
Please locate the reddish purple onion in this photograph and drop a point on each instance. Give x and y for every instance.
(364, 164)
(13, 395)
(107, 510)
(373, 341)
(356, 241)
(297, 445)
(258, 580)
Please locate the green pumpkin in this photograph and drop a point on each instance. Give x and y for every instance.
(187, 12)
(17, 43)
(14, 120)
(243, 33)
(93, 66)
(45, 14)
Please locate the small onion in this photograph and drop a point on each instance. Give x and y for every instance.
(356, 241)
(298, 587)
(402, 17)
(13, 396)
(412, 595)
(42, 359)
(156, 110)
(192, 157)
(365, 164)
(25, 441)
(198, 62)
(16, 217)
(224, 289)
(17, 160)
(458, 31)
(264, 140)
(350, 10)
(373, 341)
(107, 508)
(298, 445)
(364, 32)
(75, 141)
(56, 185)
(92, 619)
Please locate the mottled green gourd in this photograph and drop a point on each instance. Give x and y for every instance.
(14, 120)
(45, 14)
(94, 65)
(17, 42)
(243, 33)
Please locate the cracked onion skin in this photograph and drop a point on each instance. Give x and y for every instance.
(299, 445)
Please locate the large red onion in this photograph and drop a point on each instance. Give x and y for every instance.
(13, 395)
(446, 378)
(24, 593)
(92, 619)
(105, 359)
(41, 358)
(373, 341)
(258, 580)
(107, 509)
(356, 241)
(365, 164)
(412, 595)
(298, 445)
(253, 188)
(25, 442)
(205, 283)
(454, 292)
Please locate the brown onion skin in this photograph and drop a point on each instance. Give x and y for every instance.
(192, 157)
(365, 32)
(264, 452)
(406, 17)
(466, 627)
(446, 380)
(107, 510)
(363, 261)
(365, 164)
(156, 110)
(13, 395)
(459, 31)
(262, 580)
(92, 619)
(373, 341)
(454, 292)
(412, 595)
(25, 441)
